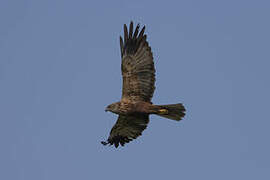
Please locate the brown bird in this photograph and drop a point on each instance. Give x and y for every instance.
(138, 74)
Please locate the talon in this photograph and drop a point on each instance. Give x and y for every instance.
(163, 111)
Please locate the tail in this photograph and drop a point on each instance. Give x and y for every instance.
(171, 111)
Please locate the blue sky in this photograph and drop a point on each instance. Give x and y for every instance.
(60, 68)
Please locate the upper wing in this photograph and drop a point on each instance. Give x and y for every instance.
(126, 129)
(138, 69)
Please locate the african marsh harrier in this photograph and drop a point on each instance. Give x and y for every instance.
(138, 74)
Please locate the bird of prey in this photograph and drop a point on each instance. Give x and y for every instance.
(138, 74)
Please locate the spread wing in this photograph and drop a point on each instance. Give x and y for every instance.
(137, 66)
(126, 129)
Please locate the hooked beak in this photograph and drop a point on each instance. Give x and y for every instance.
(106, 110)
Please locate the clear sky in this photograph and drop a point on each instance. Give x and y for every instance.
(60, 68)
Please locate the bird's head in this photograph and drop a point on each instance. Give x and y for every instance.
(114, 107)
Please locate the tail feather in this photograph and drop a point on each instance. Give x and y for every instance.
(172, 111)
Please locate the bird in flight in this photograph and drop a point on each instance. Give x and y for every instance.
(135, 106)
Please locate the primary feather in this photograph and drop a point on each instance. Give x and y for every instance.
(138, 69)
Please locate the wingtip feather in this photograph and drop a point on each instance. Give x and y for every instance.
(125, 33)
(130, 29)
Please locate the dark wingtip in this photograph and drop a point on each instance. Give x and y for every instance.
(136, 30)
(125, 33)
(116, 141)
(104, 143)
(142, 31)
(130, 30)
(132, 39)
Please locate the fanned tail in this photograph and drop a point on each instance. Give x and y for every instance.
(171, 111)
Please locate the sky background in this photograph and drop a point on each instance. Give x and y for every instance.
(60, 68)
